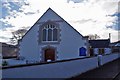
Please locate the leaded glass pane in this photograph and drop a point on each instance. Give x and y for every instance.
(44, 35)
(49, 34)
(55, 33)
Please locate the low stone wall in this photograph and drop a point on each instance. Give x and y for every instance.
(65, 69)
(58, 69)
(108, 58)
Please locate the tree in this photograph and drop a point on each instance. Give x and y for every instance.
(17, 35)
(93, 36)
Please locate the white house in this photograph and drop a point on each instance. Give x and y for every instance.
(51, 38)
(101, 46)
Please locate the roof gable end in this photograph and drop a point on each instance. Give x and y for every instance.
(50, 10)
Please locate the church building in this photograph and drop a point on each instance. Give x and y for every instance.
(51, 38)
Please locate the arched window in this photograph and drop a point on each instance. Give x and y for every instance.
(50, 33)
(82, 51)
(55, 36)
(44, 35)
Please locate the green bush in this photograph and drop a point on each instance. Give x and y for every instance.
(4, 63)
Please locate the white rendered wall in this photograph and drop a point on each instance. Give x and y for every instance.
(69, 45)
(107, 50)
(49, 15)
(54, 70)
(70, 42)
(29, 45)
(96, 51)
(108, 58)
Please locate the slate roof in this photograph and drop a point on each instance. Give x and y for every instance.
(118, 44)
(102, 43)
(115, 43)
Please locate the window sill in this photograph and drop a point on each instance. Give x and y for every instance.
(50, 42)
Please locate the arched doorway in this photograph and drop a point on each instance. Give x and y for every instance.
(49, 54)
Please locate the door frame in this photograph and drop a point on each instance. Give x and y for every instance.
(43, 52)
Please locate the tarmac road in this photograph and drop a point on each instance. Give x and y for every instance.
(109, 71)
(117, 77)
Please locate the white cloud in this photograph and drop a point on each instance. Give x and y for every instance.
(88, 17)
(114, 34)
(5, 35)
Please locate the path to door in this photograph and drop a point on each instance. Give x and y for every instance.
(108, 71)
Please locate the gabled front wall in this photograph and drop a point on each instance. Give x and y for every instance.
(29, 45)
(69, 45)
(67, 48)
(71, 41)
